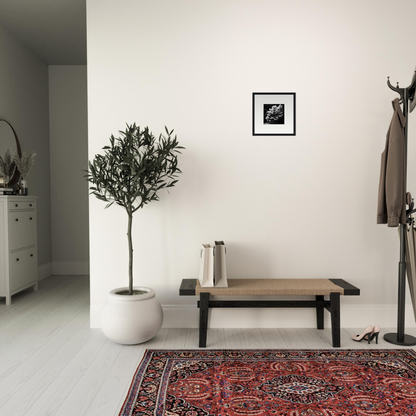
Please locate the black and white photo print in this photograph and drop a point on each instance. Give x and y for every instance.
(274, 114)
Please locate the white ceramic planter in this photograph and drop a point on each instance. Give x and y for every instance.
(131, 319)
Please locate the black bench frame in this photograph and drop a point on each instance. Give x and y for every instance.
(188, 288)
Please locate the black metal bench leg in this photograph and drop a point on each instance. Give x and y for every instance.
(203, 319)
(320, 313)
(335, 320)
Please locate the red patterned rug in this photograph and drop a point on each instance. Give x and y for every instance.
(274, 382)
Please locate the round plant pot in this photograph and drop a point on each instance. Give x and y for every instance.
(131, 319)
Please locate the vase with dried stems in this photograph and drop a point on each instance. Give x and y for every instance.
(7, 167)
(24, 164)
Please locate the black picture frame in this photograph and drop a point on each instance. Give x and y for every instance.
(274, 114)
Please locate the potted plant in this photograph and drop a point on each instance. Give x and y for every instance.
(130, 173)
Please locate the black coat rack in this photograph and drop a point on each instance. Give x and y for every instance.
(399, 337)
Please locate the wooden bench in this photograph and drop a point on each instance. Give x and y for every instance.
(267, 287)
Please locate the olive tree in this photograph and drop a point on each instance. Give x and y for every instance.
(131, 172)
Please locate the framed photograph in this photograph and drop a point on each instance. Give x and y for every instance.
(274, 114)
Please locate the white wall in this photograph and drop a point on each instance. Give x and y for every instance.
(24, 103)
(69, 189)
(293, 207)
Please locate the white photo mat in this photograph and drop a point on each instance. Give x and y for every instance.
(281, 103)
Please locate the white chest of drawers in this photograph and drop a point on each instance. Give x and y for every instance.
(18, 245)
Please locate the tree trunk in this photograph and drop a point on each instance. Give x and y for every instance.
(129, 237)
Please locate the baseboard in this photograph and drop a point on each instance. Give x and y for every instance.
(351, 317)
(63, 268)
(68, 268)
(44, 271)
(185, 316)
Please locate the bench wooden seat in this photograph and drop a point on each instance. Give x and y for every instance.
(319, 288)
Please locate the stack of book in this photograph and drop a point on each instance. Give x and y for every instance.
(213, 269)
(6, 191)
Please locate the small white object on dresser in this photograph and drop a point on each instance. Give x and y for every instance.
(18, 245)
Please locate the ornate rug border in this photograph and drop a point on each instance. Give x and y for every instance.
(148, 354)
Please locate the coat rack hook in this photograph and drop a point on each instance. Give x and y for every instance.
(391, 86)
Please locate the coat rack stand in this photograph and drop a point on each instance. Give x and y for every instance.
(399, 337)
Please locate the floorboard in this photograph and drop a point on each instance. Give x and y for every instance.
(53, 364)
(254, 339)
(273, 338)
(292, 338)
(234, 338)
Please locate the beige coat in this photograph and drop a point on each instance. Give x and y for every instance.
(391, 208)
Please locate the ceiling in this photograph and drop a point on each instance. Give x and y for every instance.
(55, 30)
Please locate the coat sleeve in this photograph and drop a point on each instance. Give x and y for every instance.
(381, 205)
(394, 179)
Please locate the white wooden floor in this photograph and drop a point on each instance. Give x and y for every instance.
(52, 363)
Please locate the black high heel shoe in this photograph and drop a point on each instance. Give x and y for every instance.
(364, 335)
(374, 334)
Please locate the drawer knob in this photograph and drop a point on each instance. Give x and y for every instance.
(17, 259)
(30, 217)
(17, 219)
(16, 205)
(30, 205)
(31, 255)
